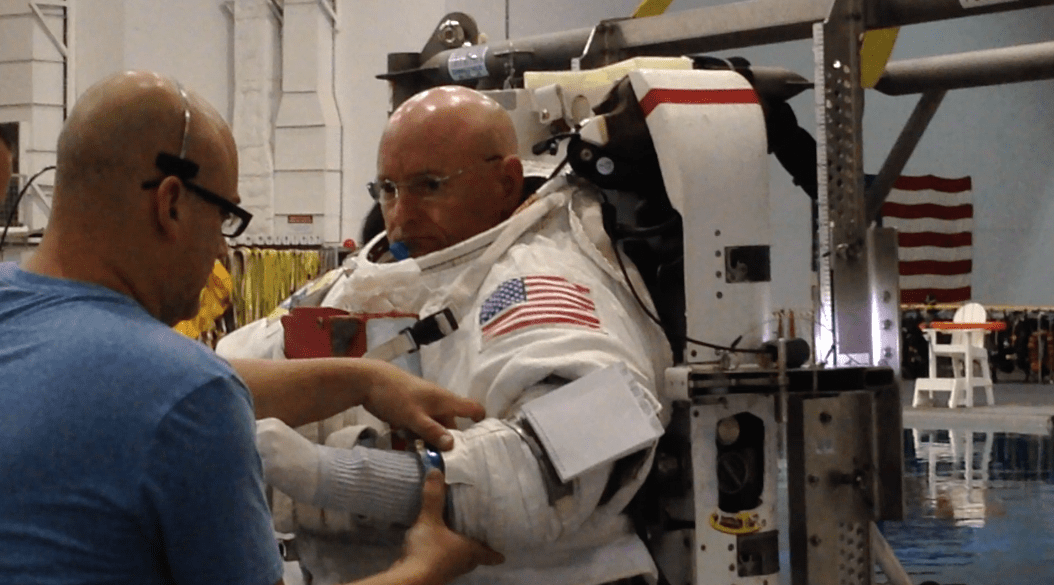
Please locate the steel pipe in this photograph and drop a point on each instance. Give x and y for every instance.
(700, 30)
(973, 69)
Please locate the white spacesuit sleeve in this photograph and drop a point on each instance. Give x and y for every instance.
(263, 339)
(498, 494)
(524, 482)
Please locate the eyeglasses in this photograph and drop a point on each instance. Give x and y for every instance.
(427, 186)
(235, 218)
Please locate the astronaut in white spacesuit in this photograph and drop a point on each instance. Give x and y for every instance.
(541, 301)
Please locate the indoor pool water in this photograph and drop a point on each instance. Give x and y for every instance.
(979, 508)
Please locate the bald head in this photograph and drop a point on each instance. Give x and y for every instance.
(114, 133)
(120, 221)
(444, 114)
(450, 132)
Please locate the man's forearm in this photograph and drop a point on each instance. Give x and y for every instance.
(298, 392)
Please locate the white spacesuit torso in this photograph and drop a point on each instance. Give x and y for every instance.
(538, 298)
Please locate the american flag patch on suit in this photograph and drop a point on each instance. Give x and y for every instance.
(527, 301)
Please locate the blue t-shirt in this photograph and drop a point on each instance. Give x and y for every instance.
(127, 451)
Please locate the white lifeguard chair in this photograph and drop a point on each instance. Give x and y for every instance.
(968, 355)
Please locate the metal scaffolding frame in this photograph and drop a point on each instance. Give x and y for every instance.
(849, 320)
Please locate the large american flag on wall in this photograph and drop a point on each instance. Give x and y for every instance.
(934, 220)
(535, 300)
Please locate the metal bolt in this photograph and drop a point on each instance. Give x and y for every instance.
(813, 480)
(451, 33)
(731, 547)
(825, 417)
(815, 540)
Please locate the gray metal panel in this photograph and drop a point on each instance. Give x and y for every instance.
(832, 486)
(884, 281)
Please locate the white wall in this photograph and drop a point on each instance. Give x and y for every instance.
(370, 29)
(189, 40)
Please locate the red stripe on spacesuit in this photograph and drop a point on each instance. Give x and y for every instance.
(655, 97)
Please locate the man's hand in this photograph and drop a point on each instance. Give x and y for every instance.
(307, 390)
(406, 401)
(434, 551)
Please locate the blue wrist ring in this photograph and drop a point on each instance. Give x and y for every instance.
(430, 458)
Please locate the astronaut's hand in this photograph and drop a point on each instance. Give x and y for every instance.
(408, 402)
(434, 553)
(290, 461)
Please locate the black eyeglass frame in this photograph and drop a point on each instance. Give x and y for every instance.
(217, 200)
(184, 169)
(375, 187)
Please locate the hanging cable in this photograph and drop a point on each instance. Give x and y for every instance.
(550, 145)
(18, 199)
(619, 251)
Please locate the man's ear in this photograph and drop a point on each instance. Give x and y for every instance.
(512, 181)
(167, 202)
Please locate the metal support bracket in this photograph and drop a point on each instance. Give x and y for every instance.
(840, 105)
(277, 10)
(40, 199)
(330, 8)
(834, 490)
(55, 40)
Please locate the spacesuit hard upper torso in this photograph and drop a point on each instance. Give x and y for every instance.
(511, 345)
